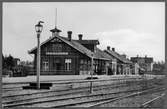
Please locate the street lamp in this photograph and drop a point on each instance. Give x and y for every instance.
(38, 29)
(91, 90)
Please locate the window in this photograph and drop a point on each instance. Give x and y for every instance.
(103, 66)
(57, 47)
(54, 47)
(81, 64)
(84, 64)
(89, 65)
(45, 64)
(60, 47)
(68, 64)
(67, 48)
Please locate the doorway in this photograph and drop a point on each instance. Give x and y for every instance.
(56, 64)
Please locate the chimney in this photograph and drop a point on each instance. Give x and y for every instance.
(145, 56)
(108, 48)
(80, 36)
(69, 35)
(137, 56)
(113, 49)
(124, 55)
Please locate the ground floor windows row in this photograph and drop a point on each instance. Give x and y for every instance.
(82, 65)
(98, 66)
(56, 64)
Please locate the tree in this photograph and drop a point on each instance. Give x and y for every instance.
(3, 62)
(9, 62)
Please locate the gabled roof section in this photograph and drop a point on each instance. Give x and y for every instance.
(99, 54)
(94, 42)
(119, 57)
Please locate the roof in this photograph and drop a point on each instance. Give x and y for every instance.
(95, 42)
(102, 54)
(119, 57)
(99, 54)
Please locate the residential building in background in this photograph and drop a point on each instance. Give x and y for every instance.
(120, 65)
(145, 63)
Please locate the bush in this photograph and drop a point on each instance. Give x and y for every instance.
(7, 72)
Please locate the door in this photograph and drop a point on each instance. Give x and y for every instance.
(56, 64)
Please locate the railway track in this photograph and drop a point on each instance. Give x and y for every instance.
(152, 100)
(66, 93)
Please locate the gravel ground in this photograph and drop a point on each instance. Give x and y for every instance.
(87, 98)
(159, 103)
(133, 101)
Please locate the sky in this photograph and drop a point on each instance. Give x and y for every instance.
(132, 28)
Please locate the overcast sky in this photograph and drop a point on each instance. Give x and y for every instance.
(133, 28)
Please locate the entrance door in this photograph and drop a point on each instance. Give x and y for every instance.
(84, 66)
(56, 64)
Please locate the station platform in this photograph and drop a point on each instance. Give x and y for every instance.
(51, 78)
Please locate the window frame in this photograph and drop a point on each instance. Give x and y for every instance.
(68, 64)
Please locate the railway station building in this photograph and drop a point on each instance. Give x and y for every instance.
(67, 56)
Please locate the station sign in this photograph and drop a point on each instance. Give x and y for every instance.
(56, 53)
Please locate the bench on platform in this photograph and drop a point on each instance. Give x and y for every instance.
(91, 78)
(34, 84)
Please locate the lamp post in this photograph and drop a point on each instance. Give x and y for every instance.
(38, 29)
(91, 90)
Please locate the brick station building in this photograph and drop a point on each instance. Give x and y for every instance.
(66, 56)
